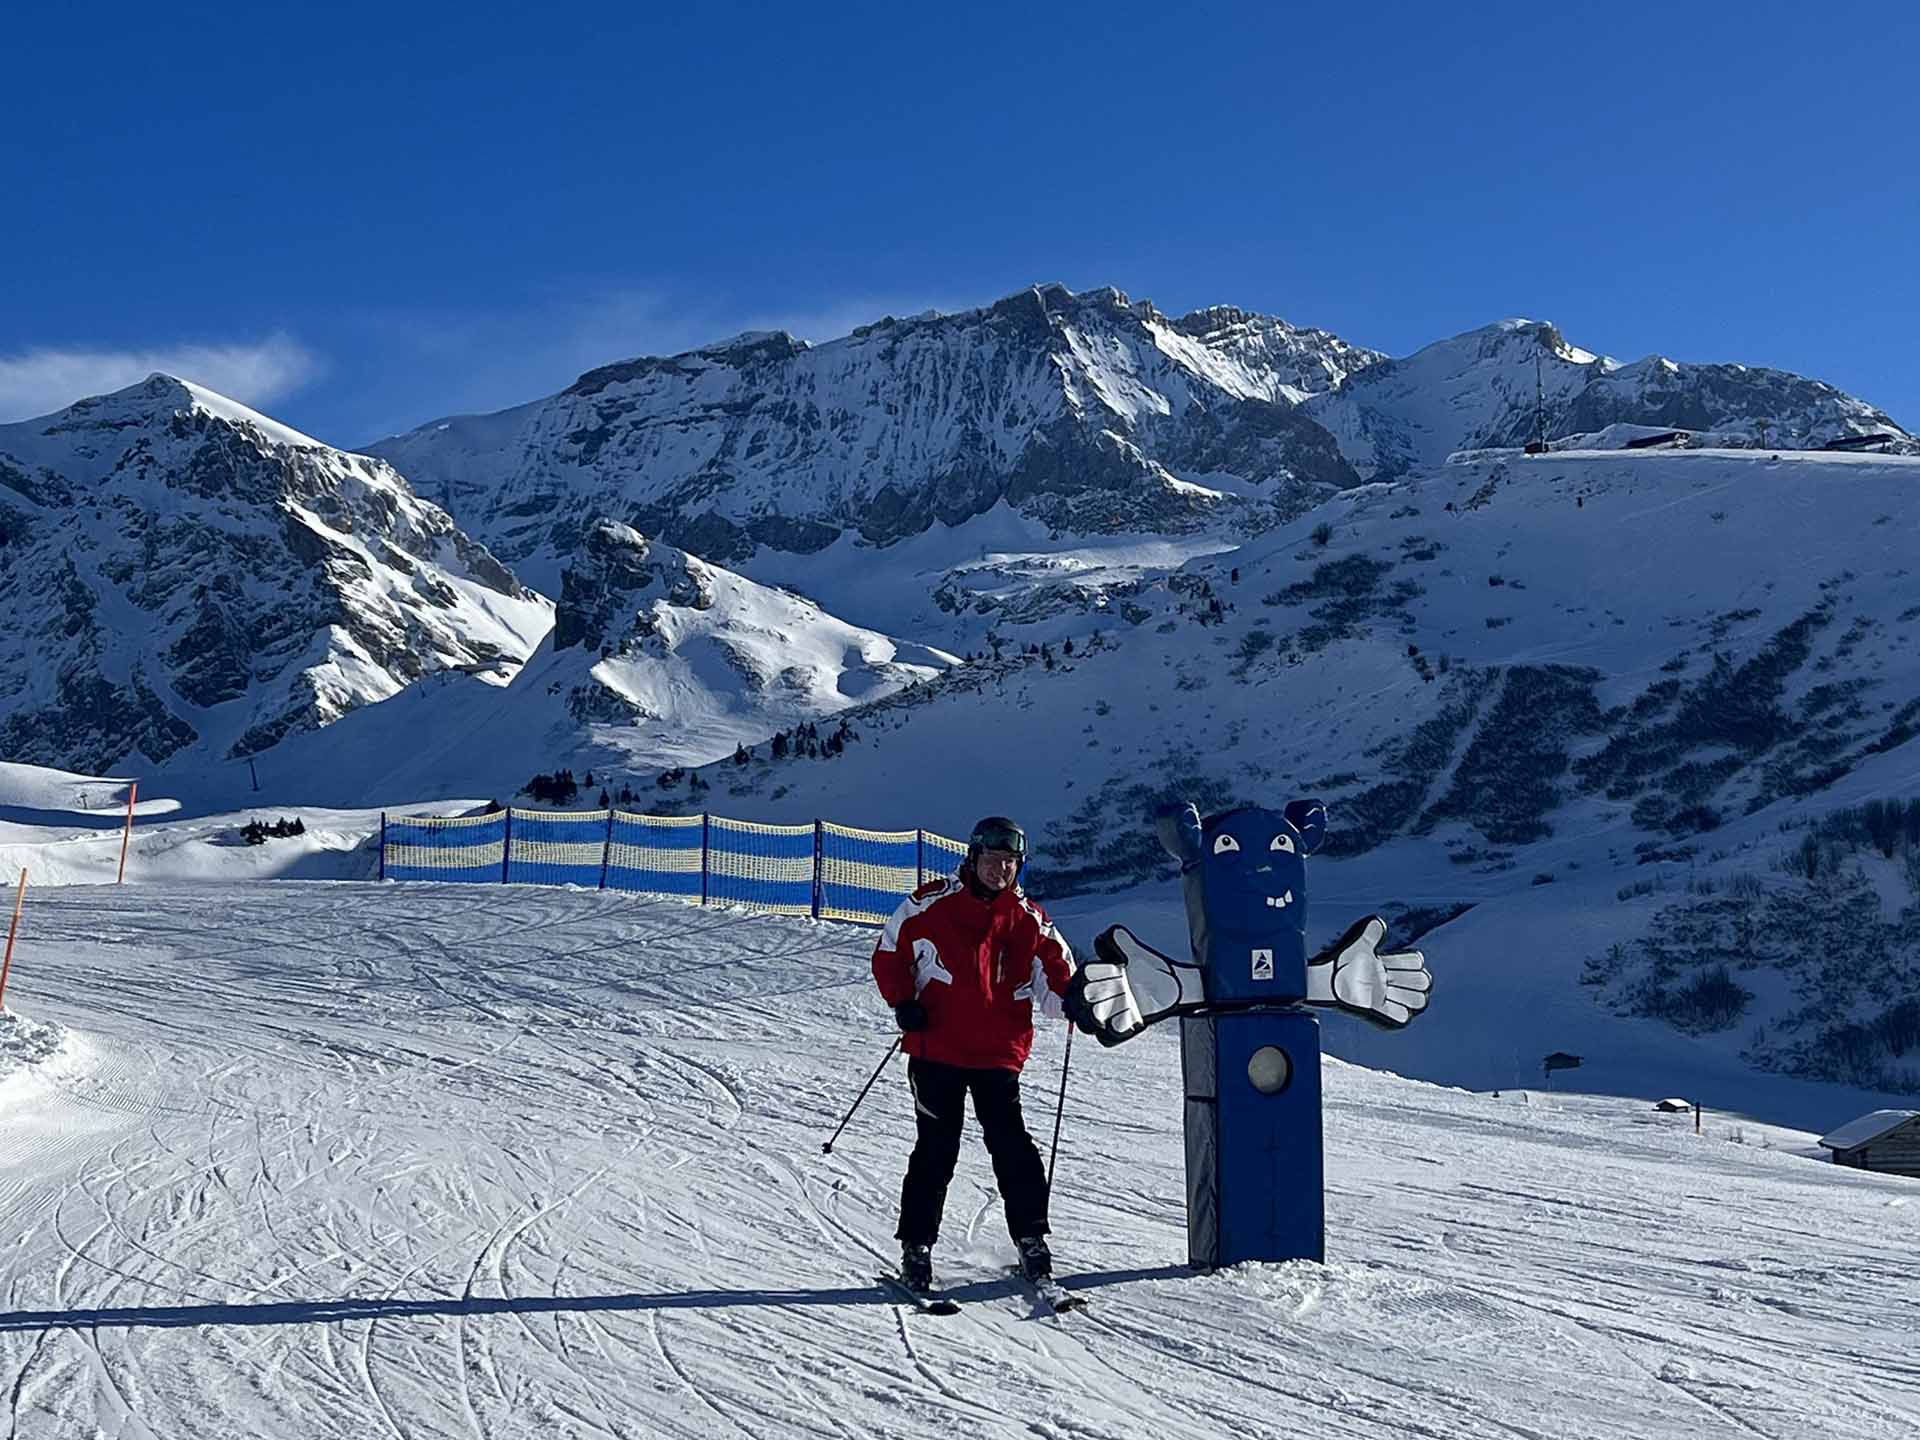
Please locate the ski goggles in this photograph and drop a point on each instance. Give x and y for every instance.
(1000, 837)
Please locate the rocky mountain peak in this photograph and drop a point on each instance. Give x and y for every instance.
(222, 580)
(617, 570)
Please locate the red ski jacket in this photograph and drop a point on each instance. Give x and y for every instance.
(979, 966)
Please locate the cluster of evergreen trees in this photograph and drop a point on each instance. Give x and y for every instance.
(803, 740)
(257, 832)
(695, 785)
(1039, 650)
(561, 788)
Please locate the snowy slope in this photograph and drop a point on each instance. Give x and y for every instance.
(1583, 685)
(66, 829)
(188, 578)
(341, 1161)
(1309, 661)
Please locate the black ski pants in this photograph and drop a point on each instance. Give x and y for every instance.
(939, 1106)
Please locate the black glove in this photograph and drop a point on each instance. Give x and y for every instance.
(1074, 1002)
(910, 1015)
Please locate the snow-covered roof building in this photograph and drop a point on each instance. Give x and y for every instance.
(1884, 1140)
(1873, 441)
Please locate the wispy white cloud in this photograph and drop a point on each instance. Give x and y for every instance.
(36, 382)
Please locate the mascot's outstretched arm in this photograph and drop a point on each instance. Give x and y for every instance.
(1388, 987)
(1385, 987)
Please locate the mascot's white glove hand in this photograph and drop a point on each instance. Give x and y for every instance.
(1099, 998)
(1386, 987)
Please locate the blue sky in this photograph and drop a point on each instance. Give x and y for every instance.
(361, 217)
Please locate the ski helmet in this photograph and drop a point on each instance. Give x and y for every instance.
(997, 832)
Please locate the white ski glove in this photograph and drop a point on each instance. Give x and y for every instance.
(928, 968)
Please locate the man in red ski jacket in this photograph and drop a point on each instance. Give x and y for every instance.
(965, 962)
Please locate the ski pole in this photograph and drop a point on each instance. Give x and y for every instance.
(827, 1149)
(1060, 1109)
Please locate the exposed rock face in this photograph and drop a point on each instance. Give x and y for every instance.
(616, 568)
(181, 570)
(1084, 411)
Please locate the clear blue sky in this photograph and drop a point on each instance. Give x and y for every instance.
(360, 217)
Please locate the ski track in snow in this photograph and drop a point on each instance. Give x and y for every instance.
(419, 1161)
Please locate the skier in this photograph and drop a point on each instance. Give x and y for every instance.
(964, 962)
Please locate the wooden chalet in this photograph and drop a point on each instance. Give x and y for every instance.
(1885, 1141)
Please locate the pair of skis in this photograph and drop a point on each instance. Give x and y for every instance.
(1050, 1292)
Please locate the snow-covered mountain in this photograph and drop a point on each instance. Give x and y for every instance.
(1089, 412)
(656, 634)
(656, 661)
(1658, 676)
(183, 575)
(1085, 416)
(1498, 386)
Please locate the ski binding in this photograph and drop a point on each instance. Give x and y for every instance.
(927, 1302)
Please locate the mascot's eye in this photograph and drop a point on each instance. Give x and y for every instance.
(1282, 842)
(1223, 843)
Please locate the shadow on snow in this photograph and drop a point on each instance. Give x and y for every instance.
(334, 1312)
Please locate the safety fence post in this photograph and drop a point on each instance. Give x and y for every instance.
(706, 849)
(819, 848)
(506, 848)
(920, 857)
(126, 835)
(383, 844)
(606, 851)
(12, 929)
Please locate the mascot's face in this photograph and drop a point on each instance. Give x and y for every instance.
(1253, 866)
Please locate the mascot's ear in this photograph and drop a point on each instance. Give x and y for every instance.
(1309, 817)
(1178, 823)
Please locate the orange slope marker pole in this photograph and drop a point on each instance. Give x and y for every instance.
(6, 966)
(133, 792)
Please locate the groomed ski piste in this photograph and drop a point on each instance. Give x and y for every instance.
(348, 1159)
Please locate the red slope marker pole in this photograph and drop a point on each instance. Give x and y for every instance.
(20, 901)
(126, 835)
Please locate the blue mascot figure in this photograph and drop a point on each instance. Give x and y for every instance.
(1249, 1041)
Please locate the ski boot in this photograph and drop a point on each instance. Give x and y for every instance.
(916, 1267)
(1036, 1261)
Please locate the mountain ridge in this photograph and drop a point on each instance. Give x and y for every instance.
(184, 571)
(1090, 413)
